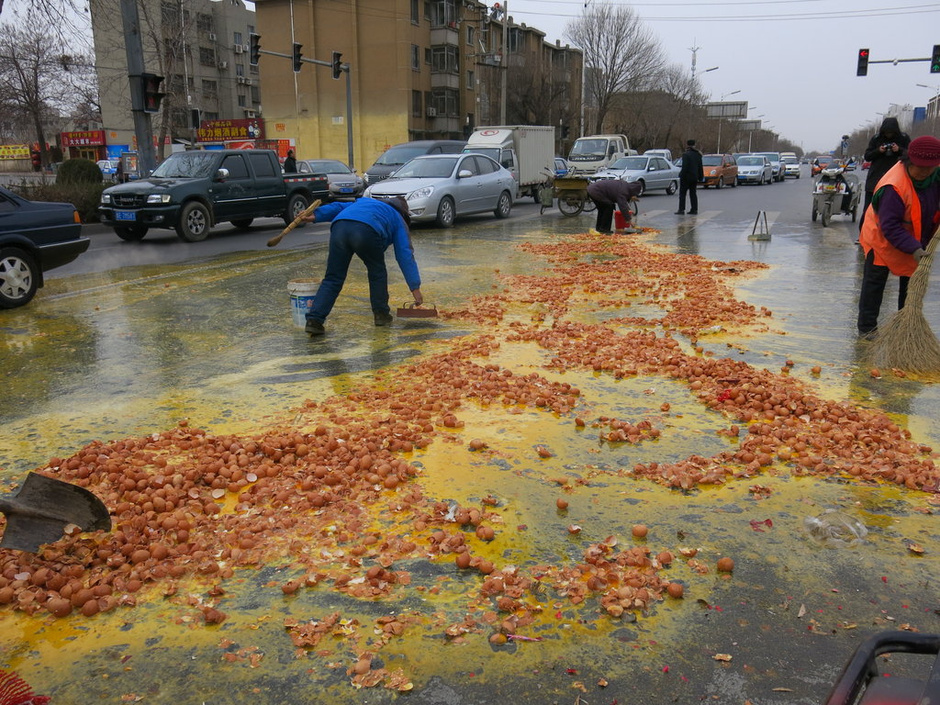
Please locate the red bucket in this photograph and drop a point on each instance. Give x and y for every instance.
(620, 222)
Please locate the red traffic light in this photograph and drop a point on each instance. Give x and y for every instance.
(862, 69)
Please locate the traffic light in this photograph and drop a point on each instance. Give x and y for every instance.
(862, 63)
(150, 89)
(337, 64)
(935, 59)
(255, 48)
(297, 55)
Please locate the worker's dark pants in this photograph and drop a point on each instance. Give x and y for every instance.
(874, 278)
(688, 187)
(348, 238)
(605, 216)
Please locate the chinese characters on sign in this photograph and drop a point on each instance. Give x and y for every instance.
(226, 130)
(14, 151)
(88, 138)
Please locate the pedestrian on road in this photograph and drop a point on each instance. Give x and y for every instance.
(290, 164)
(606, 193)
(690, 175)
(901, 220)
(884, 150)
(365, 228)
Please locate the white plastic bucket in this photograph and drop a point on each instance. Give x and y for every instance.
(301, 292)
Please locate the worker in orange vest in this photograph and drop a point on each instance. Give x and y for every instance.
(899, 223)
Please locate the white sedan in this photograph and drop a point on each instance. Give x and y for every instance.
(441, 187)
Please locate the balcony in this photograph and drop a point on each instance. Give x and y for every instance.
(445, 35)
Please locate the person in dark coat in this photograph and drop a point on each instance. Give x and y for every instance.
(290, 164)
(884, 150)
(606, 193)
(690, 175)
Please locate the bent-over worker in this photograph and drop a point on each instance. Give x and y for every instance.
(606, 193)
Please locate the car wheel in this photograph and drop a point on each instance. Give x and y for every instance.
(295, 206)
(672, 187)
(243, 223)
(503, 205)
(445, 212)
(642, 187)
(194, 222)
(720, 183)
(19, 277)
(827, 214)
(734, 182)
(131, 233)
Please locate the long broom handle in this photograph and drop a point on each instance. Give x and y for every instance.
(294, 223)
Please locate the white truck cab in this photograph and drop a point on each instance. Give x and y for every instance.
(594, 152)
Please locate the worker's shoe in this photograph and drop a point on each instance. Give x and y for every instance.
(693, 212)
(314, 327)
(383, 319)
(679, 213)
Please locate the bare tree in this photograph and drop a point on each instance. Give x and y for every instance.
(66, 20)
(620, 53)
(38, 79)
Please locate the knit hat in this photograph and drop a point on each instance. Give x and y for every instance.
(924, 151)
(690, 143)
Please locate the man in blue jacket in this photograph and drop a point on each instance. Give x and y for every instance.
(365, 228)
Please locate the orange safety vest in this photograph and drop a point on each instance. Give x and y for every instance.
(871, 238)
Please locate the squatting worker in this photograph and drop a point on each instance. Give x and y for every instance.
(901, 220)
(606, 193)
(365, 228)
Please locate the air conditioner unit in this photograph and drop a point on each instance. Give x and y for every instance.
(239, 49)
(246, 48)
(432, 112)
(212, 36)
(249, 113)
(241, 79)
(223, 65)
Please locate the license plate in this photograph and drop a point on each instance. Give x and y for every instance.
(125, 215)
(345, 190)
(829, 187)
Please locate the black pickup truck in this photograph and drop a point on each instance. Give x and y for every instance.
(193, 191)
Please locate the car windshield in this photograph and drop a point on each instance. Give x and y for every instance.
(327, 166)
(427, 169)
(589, 148)
(400, 155)
(772, 157)
(631, 163)
(790, 160)
(193, 165)
(709, 160)
(751, 161)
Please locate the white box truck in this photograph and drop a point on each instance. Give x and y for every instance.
(595, 152)
(528, 151)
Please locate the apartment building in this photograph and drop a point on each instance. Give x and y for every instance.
(201, 48)
(418, 69)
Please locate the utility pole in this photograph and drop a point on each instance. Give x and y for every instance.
(502, 90)
(146, 156)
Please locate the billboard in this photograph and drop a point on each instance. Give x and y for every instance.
(729, 109)
(749, 125)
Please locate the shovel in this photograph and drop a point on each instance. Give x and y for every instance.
(41, 509)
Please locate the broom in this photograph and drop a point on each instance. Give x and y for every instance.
(907, 342)
(294, 223)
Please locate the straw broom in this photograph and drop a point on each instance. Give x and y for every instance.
(907, 342)
(294, 223)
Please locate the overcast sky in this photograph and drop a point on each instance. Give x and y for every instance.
(793, 60)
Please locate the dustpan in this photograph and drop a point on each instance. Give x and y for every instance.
(413, 310)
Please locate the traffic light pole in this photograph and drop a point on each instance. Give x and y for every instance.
(343, 67)
(146, 155)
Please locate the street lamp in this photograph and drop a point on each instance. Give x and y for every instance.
(718, 145)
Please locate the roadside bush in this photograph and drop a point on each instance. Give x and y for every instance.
(78, 171)
(84, 196)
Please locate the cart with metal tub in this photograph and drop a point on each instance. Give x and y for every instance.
(571, 192)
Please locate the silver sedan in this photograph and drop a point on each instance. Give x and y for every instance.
(441, 187)
(649, 172)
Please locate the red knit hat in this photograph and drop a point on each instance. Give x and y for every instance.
(924, 151)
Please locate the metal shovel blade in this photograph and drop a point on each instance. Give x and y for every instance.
(40, 510)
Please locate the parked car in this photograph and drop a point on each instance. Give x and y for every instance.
(400, 154)
(754, 169)
(562, 167)
(776, 164)
(108, 169)
(791, 167)
(344, 182)
(720, 170)
(442, 187)
(34, 238)
(650, 172)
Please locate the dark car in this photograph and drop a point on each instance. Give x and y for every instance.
(34, 238)
(394, 157)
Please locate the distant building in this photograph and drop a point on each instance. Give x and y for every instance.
(201, 49)
(420, 69)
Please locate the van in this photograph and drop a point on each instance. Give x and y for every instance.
(394, 157)
(664, 153)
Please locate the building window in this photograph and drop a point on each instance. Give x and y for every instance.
(207, 56)
(416, 103)
(516, 40)
(203, 22)
(210, 89)
(255, 94)
(471, 34)
(445, 101)
(470, 82)
(415, 9)
(239, 69)
(427, 56)
(427, 9)
(443, 13)
(242, 101)
(415, 57)
(444, 59)
(238, 38)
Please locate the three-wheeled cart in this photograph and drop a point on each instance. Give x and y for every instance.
(571, 192)
(835, 192)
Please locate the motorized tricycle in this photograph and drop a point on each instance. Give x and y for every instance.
(835, 191)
